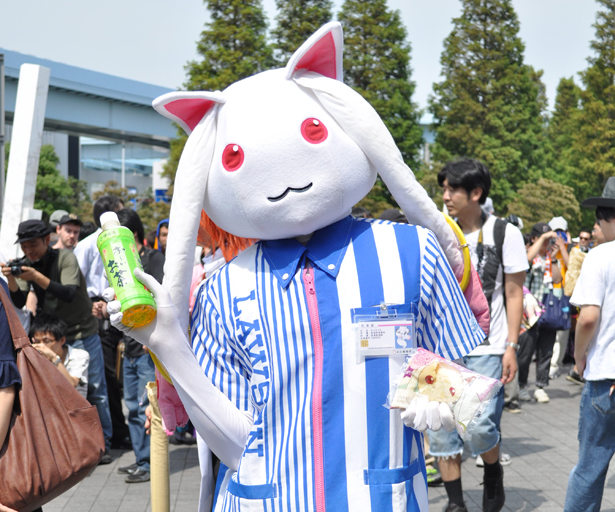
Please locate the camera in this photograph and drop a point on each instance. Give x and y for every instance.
(16, 266)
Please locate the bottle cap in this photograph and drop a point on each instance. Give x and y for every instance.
(109, 220)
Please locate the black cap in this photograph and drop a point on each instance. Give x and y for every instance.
(394, 215)
(539, 229)
(607, 199)
(31, 229)
(70, 218)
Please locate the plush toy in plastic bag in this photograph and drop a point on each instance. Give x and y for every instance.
(458, 395)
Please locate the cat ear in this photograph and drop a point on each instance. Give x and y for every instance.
(187, 108)
(321, 53)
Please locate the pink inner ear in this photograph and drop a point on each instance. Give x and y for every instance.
(321, 58)
(190, 111)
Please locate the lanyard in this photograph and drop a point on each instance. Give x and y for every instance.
(479, 245)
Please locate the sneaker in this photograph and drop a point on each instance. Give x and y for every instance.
(553, 374)
(106, 458)
(453, 507)
(128, 470)
(541, 396)
(524, 395)
(433, 477)
(573, 376)
(179, 438)
(493, 494)
(137, 477)
(505, 459)
(513, 407)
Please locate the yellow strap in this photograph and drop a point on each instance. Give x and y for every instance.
(467, 263)
(161, 369)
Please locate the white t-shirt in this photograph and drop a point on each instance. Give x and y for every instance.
(76, 363)
(596, 287)
(91, 264)
(514, 260)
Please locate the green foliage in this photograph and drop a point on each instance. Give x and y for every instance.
(152, 212)
(563, 127)
(53, 191)
(594, 144)
(296, 21)
(377, 200)
(232, 46)
(427, 176)
(377, 66)
(543, 200)
(490, 104)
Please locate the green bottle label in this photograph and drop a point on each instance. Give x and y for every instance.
(120, 257)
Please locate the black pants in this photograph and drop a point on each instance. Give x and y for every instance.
(539, 340)
(109, 339)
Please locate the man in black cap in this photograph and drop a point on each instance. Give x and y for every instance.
(60, 289)
(68, 229)
(594, 354)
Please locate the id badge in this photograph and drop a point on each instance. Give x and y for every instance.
(384, 331)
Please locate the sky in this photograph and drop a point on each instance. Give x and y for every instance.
(152, 40)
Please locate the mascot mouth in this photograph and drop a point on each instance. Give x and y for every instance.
(287, 191)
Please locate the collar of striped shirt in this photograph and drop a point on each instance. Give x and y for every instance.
(325, 250)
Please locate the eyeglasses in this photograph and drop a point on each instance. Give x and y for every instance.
(46, 341)
(584, 238)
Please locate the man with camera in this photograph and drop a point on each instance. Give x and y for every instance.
(56, 279)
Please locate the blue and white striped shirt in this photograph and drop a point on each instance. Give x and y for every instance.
(284, 350)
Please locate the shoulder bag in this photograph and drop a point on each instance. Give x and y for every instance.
(55, 438)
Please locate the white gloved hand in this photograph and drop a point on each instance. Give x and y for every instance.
(163, 328)
(422, 414)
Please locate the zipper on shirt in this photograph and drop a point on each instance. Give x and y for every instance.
(310, 292)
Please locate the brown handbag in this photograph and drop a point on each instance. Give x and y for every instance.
(55, 438)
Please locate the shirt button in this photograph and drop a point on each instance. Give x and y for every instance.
(285, 277)
(331, 267)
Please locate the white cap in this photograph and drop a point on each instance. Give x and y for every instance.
(558, 223)
(109, 220)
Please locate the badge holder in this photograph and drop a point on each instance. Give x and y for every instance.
(384, 330)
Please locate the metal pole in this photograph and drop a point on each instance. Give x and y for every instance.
(123, 165)
(2, 171)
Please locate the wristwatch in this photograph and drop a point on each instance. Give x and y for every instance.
(513, 345)
(57, 360)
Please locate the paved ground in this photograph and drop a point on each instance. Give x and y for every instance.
(541, 439)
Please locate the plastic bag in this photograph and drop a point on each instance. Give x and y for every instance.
(467, 393)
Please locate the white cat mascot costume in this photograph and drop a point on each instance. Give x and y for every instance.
(272, 382)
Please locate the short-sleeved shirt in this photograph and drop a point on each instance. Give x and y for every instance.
(91, 264)
(514, 260)
(9, 374)
(60, 265)
(596, 287)
(76, 363)
(273, 331)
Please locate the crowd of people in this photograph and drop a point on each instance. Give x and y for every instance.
(546, 292)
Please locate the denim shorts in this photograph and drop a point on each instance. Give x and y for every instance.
(486, 432)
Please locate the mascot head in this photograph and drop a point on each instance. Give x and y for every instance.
(282, 154)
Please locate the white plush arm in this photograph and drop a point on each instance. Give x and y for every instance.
(224, 428)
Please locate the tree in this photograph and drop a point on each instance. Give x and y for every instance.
(296, 21)
(594, 144)
(543, 200)
(490, 104)
(54, 191)
(563, 126)
(377, 66)
(232, 46)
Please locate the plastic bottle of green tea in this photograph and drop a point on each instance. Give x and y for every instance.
(120, 256)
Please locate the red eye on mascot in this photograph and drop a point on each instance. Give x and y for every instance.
(272, 377)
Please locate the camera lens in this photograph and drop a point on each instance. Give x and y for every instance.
(16, 271)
